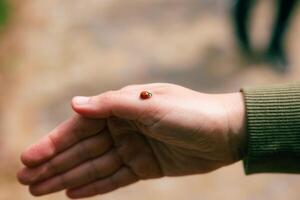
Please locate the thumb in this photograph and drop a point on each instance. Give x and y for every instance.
(119, 103)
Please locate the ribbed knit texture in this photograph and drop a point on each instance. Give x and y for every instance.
(273, 129)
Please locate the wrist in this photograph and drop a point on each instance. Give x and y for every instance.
(236, 115)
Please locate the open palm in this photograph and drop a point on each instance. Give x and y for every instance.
(118, 139)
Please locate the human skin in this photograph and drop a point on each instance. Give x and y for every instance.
(116, 139)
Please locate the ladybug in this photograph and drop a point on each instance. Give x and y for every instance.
(145, 95)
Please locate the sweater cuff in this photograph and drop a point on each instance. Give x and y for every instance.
(273, 129)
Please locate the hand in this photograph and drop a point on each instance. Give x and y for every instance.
(116, 139)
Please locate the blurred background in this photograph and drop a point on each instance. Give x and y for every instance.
(52, 50)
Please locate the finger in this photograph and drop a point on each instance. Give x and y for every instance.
(121, 178)
(87, 149)
(134, 149)
(83, 174)
(125, 103)
(65, 135)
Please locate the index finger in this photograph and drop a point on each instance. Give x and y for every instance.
(65, 135)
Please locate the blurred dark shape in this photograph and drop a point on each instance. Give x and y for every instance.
(275, 53)
(4, 10)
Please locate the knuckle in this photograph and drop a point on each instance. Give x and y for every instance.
(97, 145)
(95, 170)
(34, 191)
(95, 188)
(116, 159)
(82, 151)
(64, 181)
(103, 166)
(53, 166)
(141, 169)
(109, 95)
(104, 141)
(105, 98)
(79, 132)
(114, 182)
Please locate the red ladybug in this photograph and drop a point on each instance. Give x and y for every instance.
(145, 95)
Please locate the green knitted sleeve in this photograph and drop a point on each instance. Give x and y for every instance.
(273, 129)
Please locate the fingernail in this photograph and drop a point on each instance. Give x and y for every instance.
(81, 100)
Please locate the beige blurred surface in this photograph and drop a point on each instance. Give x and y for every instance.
(53, 50)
